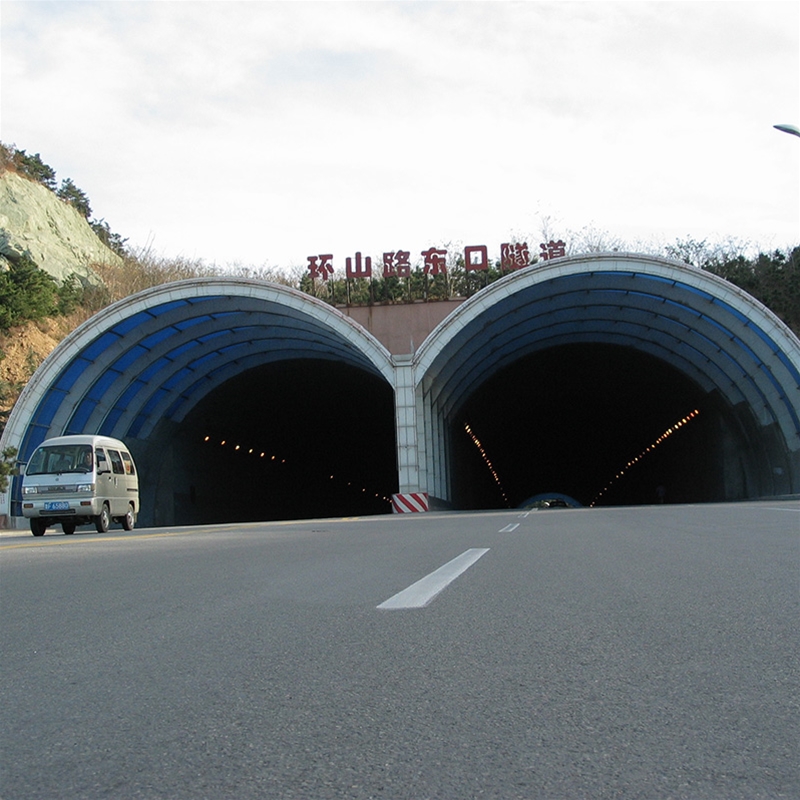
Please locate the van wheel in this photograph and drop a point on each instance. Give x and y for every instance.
(103, 520)
(128, 521)
(38, 526)
(68, 527)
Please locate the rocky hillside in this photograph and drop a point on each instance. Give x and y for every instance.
(34, 221)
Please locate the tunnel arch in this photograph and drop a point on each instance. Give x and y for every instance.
(148, 360)
(147, 365)
(723, 340)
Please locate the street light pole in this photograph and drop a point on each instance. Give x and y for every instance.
(788, 129)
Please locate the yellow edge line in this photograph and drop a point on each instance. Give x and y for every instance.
(52, 541)
(132, 537)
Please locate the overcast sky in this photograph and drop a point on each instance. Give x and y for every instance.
(260, 133)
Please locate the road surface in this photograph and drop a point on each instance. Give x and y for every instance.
(594, 653)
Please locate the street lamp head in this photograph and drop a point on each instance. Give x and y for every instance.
(788, 129)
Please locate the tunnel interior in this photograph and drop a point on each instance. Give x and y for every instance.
(570, 419)
(302, 438)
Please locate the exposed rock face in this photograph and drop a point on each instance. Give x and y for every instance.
(53, 234)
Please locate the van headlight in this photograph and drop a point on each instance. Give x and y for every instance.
(85, 487)
(30, 490)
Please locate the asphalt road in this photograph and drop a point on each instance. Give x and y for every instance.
(607, 653)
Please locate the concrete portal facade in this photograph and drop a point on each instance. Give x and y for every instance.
(154, 356)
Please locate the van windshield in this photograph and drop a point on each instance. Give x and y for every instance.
(60, 458)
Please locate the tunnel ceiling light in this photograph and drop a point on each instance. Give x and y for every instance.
(486, 460)
(664, 436)
(261, 454)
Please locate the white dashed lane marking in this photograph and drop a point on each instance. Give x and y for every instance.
(421, 593)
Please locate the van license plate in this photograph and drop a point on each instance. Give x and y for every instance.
(57, 506)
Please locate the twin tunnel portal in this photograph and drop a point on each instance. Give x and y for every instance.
(614, 379)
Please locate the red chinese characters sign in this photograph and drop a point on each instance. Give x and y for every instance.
(323, 269)
(435, 261)
(397, 263)
(553, 250)
(514, 256)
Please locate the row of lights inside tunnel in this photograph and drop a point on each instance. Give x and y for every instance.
(253, 451)
(674, 428)
(477, 442)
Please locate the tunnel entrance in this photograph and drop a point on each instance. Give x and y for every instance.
(293, 439)
(571, 418)
(566, 372)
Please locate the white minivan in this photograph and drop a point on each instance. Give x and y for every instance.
(78, 480)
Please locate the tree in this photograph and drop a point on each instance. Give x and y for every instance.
(773, 278)
(35, 168)
(69, 294)
(30, 293)
(110, 239)
(26, 292)
(7, 467)
(75, 197)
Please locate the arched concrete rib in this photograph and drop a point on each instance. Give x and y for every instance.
(148, 354)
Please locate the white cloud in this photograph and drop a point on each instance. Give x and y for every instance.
(253, 131)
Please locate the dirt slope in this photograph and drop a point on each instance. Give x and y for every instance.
(22, 349)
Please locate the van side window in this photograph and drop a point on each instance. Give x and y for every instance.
(128, 462)
(100, 458)
(116, 462)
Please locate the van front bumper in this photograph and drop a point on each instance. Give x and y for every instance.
(59, 509)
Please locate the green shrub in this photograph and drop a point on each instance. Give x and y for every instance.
(7, 466)
(28, 293)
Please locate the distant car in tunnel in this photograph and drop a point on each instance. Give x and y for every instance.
(550, 500)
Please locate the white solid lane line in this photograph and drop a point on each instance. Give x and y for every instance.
(421, 593)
